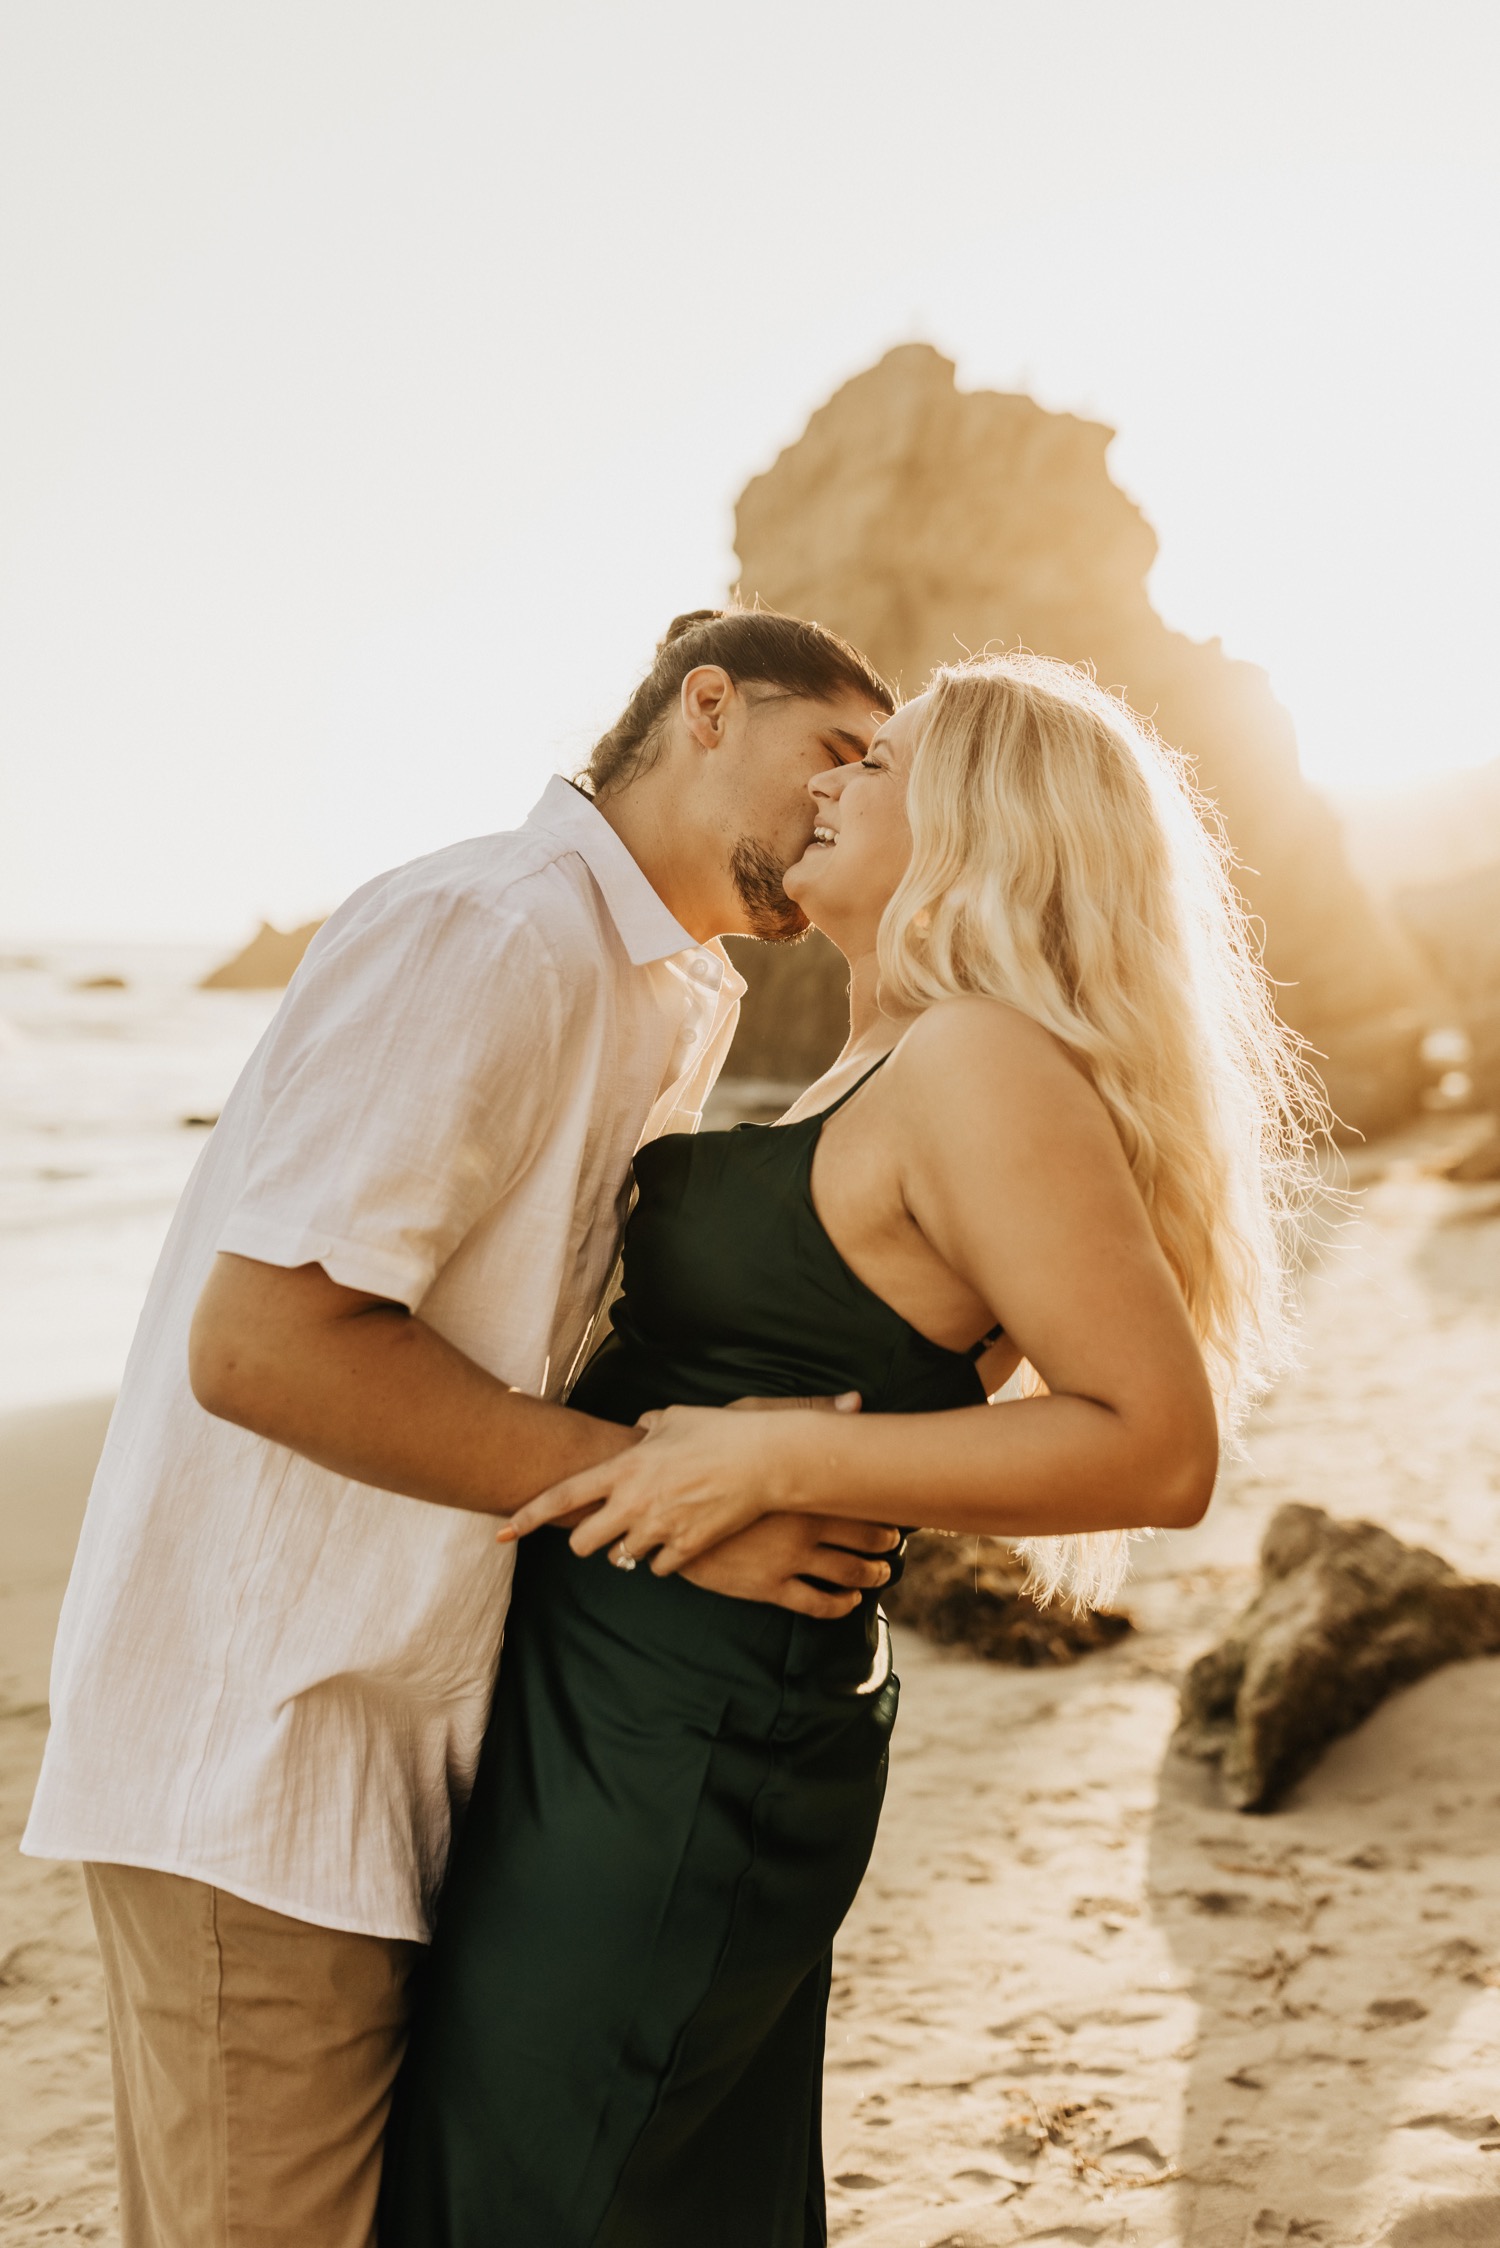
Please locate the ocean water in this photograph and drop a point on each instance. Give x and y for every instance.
(107, 1094)
(107, 1091)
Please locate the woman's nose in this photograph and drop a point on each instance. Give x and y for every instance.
(828, 786)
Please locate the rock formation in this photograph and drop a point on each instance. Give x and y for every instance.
(1344, 1616)
(922, 522)
(268, 962)
(970, 1592)
(795, 1014)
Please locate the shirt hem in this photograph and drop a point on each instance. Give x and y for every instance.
(249, 1892)
(353, 1264)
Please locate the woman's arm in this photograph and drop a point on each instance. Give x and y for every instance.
(371, 1392)
(1014, 1175)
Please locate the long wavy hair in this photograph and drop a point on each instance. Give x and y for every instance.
(1063, 861)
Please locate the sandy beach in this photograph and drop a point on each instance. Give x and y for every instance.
(1078, 2001)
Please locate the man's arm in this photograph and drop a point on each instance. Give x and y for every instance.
(358, 1384)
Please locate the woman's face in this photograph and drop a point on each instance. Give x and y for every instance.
(861, 844)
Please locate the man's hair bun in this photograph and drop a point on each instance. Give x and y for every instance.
(757, 647)
(688, 622)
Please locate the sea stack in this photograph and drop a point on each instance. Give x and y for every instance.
(924, 522)
(268, 962)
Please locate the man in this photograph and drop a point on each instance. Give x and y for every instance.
(273, 1667)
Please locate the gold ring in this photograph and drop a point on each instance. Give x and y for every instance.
(620, 1556)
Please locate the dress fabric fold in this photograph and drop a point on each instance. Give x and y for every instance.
(619, 2040)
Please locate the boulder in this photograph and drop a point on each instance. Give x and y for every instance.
(268, 962)
(1479, 1164)
(924, 522)
(971, 1592)
(1345, 1615)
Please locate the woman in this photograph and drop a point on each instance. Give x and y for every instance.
(1066, 1131)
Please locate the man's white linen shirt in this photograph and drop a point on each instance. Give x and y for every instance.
(267, 1676)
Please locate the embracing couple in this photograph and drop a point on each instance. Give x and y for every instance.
(409, 1937)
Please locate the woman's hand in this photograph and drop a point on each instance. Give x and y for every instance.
(699, 1477)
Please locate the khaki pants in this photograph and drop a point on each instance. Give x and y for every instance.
(253, 2062)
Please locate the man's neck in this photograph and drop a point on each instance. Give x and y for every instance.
(682, 867)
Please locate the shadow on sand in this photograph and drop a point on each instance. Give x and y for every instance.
(1336, 1950)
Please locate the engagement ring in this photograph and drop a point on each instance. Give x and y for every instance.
(619, 1556)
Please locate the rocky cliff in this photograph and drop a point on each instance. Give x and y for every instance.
(923, 522)
(268, 962)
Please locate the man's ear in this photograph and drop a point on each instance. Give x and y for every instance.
(707, 693)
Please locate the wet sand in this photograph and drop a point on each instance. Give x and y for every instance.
(1077, 2000)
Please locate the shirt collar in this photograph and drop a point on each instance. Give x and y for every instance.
(647, 930)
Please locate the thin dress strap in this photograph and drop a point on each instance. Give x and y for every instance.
(977, 1350)
(849, 1093)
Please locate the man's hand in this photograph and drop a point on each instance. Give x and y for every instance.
(848, 1401)
(768, 1561)
(600, 1504)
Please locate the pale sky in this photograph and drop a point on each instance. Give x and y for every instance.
(379, 376)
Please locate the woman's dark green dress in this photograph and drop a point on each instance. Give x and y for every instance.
(619, 2041)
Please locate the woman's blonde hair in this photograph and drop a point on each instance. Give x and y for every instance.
(1064, 862)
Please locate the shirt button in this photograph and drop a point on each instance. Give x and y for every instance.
(705, 971)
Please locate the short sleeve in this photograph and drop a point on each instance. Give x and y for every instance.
(407, 1084)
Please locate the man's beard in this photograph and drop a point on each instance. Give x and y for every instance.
(757, 876)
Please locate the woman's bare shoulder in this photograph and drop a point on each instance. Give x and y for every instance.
(981, 1062)
(987, 1033)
